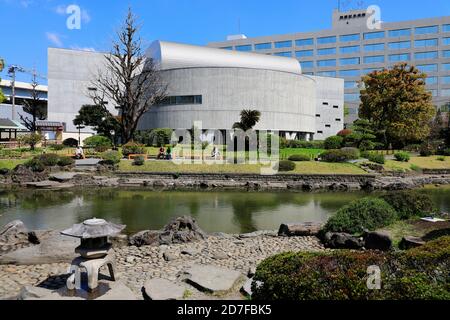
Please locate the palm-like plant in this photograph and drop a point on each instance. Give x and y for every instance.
(249, 118)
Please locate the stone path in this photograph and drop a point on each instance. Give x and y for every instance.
(135, 266)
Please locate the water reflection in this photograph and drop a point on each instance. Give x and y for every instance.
(232, 212)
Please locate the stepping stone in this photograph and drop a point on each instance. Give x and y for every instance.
(63, 176)
(162, 289)
(42, 184)
(409, 242)
(300, 229)
(216, 280)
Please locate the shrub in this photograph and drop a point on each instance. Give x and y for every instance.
(418, 273)
(35, 164)
(299, 157)
(159, 137)
(366, 213)
(48, 159)
(375, 157)
(333, 142)
(340, 155)
(133, 148)
(65, 161)
(426, 150)
(111, 157)
(286, 165)
(56, 147)
(446, 152)
(138, 161)
(70, 142)
(402, 156)
(441, 158)
(344, 133)
(415, 168)
(367, 145)
(409, 204)
(99, 143)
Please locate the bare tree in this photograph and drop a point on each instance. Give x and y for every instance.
(34, 107)
(131, 80)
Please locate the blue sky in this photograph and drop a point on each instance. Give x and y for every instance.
(31, 26)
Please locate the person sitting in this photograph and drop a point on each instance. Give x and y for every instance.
(215, 153)
(168, 153)
(161, 154)
(79, 153)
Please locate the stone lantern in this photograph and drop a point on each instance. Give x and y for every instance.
(95, 251)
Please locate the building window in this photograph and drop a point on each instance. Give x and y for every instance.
(350, 49)
(179, 100)
(338, 120)
(317, 115)
(331, 74)
(446, 41)
(373, 35)
(350, 61)
(428, 68)
(370, 70)
(446, 66)
(304, 42)
(350, 73)
(307, 64)
(227, 48)
(399, 57)
(350, 84)
(446, 54)
(399, 33)
(326, 40)
(426, 55)
(263, 46)
(246, 47)
(445, 80)
(446, 28)
(304, 53)
(283, 44)
(326, 51)
(325, 103)
(427, 30)
(283, 54)
(351, 96)
(319, 132)
(374, 59)
(326, 63)
(400, 45)
(336, 107)
(426, 43)
(328, 126)
(445, 93)
(374, 47)
(431, 80)
(349, 37)
(433, 92)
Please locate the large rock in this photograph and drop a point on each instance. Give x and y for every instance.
(212, 279)
(409, 242)
(181, 230)
(62, 176)
(162, 289)
(299, 229)
(145, 238)
(16, 233)
(55, 248)
(377, 241)
(342, 241)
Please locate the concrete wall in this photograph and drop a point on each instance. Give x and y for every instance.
(286, 100)
(70, 74)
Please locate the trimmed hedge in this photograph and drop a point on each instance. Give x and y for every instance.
(367, 213)
(138, 161)
(402, 156)
(410, 204)
(333, 142)
(286, 165)
(420, 273)
(299, 157)
(301, 144)
(341, 155)
(40, 162)
(99, 143)
(111, 157)
(133, 148)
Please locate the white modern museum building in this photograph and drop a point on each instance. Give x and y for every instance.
(209, 85)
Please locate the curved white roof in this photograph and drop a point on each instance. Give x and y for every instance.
(171, 55)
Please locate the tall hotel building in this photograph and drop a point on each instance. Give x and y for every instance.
(350, 49)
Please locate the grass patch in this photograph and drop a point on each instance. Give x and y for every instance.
(301, 168)
(11, 163)
(433, 162)
(312, 153)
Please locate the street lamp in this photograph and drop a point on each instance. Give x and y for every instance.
(79, 127)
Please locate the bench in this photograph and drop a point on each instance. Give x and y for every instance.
(132, 156)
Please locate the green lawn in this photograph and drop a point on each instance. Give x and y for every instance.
(11, 163)
(301, 168)
(312, 153)
(421, 162)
